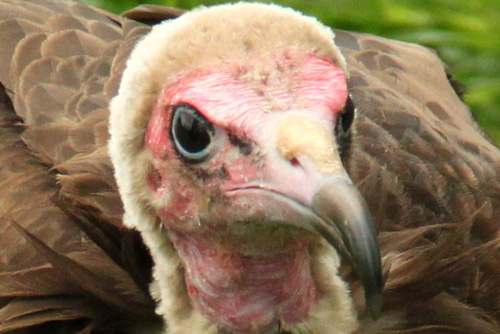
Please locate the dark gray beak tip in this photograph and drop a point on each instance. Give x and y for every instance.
(348, 227)
(374, 305)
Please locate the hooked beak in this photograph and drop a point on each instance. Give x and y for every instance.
(347, 225)
(333, 208)
(345, 220)
(305, 185)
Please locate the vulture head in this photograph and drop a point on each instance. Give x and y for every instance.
(226, 138)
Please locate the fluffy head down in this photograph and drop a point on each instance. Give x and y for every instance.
(196, 40)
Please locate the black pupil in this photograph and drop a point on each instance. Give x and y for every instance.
(192, 131)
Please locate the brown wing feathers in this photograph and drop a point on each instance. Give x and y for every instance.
(67, 255)
(417, 144)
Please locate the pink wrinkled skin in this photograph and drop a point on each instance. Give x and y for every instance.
(231, 279)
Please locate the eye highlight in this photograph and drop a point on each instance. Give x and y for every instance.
(192, 134)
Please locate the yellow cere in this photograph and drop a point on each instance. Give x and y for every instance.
(299, 135)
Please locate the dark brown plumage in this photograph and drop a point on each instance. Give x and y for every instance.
(430, 176)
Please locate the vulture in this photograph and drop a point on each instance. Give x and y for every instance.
(237, 169)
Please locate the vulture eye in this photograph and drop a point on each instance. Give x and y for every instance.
(192, 133)
(347, 116)
(343, 128)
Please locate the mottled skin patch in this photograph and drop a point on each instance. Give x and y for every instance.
(243, 144)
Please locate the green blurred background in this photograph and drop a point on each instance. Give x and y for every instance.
(466, 34)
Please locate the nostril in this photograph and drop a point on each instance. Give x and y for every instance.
(295, 162)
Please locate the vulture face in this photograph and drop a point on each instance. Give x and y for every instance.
(226, 154)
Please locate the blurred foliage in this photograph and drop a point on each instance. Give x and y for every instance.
(466, 34)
